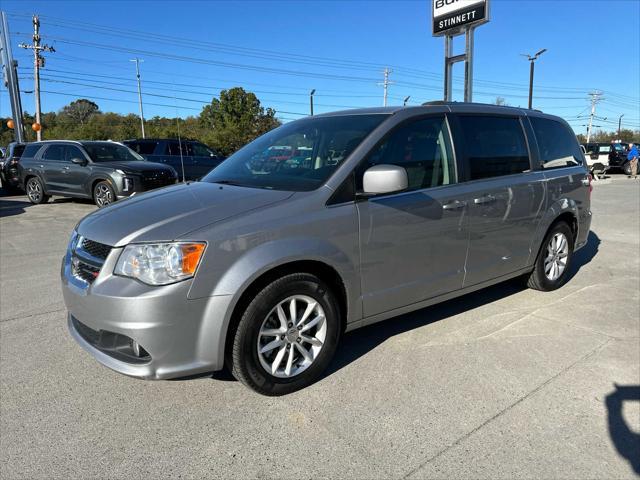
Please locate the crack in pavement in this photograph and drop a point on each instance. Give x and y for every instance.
(508, 408)
(22, 317)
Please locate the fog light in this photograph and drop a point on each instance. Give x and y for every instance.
(127, 184)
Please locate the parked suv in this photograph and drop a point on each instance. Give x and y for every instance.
(612, 155)
(102, 171)
(192, 160)
(9, 174)
(263, 270)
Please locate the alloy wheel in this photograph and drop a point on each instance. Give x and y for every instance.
(34, 191)
(103, 195)
(556, 260)
(292, 336)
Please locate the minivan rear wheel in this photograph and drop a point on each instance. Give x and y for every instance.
(287, 335)
(551, 269)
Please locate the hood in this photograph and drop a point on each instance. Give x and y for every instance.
(135, 166)
(168, 213)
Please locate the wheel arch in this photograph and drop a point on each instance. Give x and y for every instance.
(564, 210)
(325, 272)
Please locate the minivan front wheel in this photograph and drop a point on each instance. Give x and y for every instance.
(626, 168)
(103, 194)
(552, 265)
(35, 191)
(287, 335)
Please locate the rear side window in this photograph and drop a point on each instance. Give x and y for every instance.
(143, 148)
(55, 152)
(495, 146)
(557, 145)
(173, 148)
(31, 150)
(422, 147)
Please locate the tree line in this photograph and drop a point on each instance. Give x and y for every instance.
(228, 123)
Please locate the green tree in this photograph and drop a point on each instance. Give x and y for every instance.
(81, 110)
(235, 119)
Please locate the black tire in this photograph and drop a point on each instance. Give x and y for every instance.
(626, 168)
(35, 191)
(245, 364)
(538, 279)
(103, 194)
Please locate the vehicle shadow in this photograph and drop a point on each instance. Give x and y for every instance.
(625, 440)
(359, 342)
(13, 206)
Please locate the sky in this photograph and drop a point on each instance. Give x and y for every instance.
(281, 50)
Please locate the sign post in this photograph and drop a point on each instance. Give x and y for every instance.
(452, 18)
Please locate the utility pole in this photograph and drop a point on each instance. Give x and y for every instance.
(10, 78)
(595, 98)
(311, 101)
(137, 60)
(38, 63)
(620, 125)
(532, 60)
(385, 84)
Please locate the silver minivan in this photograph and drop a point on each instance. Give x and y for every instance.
(365, 215)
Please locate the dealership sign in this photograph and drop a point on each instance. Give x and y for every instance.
(451, 17)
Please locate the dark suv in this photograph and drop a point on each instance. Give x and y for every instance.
(191, 159)
(9, 174)
(102, 171)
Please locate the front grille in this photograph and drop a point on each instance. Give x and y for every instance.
(157, 179)
(83, 270)
(96, 249)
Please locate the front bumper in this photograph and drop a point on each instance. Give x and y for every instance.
(181, 336)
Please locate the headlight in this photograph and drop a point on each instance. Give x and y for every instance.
(160, 263)
(73, 241)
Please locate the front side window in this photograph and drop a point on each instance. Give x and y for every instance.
(55, 152)
(298, 156)
(143, 148)
(495, 146)
(73, 152)
(423, 148)
(557, 145)
(110, 152)
(199, 150)
(173, 149)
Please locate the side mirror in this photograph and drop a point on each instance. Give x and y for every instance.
(79, 161)
(385, 179)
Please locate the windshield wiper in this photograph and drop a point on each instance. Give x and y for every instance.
(229, 182)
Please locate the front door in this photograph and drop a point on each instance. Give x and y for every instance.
(505, 196)
(413, 244)
(76, 175)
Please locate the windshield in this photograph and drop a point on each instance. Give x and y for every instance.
(110, 152)
(299, 156)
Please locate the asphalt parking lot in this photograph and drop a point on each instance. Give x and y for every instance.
(502, 383)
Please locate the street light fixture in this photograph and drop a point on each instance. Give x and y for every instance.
(404, 104)
(532, 59)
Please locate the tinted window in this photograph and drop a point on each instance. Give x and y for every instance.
(199, 150)
(605, 149)
(422, 147)
(110, 152)
(173, 149)
(143, 148)
(55, 152)
(557, 145)
(18, 150)
(31, 150)
(74, 152)
(495, 146)
(298, 156)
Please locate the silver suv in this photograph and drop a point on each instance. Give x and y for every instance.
(365, 215)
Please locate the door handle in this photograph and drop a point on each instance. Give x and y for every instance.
(454, 205)
(484, 199)
(41, 166)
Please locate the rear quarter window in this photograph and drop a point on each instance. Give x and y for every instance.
(31, 151)
(495, 146)
(557, 145)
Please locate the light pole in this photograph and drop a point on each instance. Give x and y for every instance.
(620, 125)
(532, 61)
(311, 93)
(406, 99)
(137, 61)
